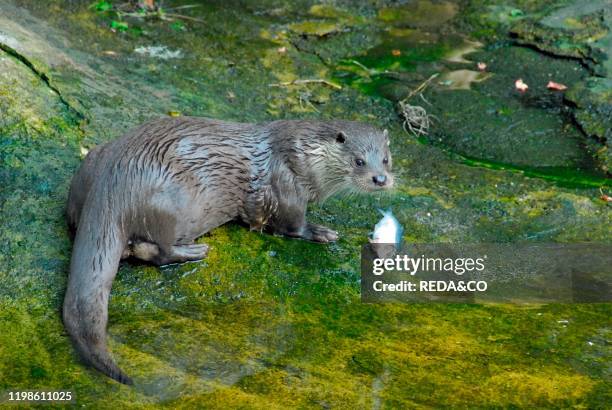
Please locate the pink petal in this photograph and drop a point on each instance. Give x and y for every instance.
(520, 85)
(556, 86)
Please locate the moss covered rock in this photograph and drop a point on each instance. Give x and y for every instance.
(264, 321)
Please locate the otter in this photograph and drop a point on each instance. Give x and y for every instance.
(151, 193)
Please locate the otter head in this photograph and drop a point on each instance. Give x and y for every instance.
(367, 156)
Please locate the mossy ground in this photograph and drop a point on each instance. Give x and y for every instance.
(267, 322)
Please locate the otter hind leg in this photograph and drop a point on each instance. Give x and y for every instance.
(184, 253)
(151, 252)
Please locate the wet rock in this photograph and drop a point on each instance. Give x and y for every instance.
(582, 31)
(420, 13)
(578, 30)
(331, 12)
(593, 101)
(487, 119)
(315, 28)
(242, 328)
(158, 52)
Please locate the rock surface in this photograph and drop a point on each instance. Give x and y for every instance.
(270, 322)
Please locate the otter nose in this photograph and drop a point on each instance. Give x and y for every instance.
(379, 180)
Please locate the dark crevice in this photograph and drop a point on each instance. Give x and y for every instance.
(587, 62)
(303, 50)
(43, 77)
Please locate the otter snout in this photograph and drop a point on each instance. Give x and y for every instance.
(380, 180)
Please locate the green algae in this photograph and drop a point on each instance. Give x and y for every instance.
(561, 176)
(267, 322)
(376, 72)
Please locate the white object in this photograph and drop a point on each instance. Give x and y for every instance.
(387, 230)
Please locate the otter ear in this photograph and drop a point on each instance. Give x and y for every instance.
(341, 137)
(386, 136)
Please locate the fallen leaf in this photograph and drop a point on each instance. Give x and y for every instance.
(556, 86)
(396, 52)
(604, 197)
(315, 28)
(520, 85)
(516, 13)
(282, 50)
(497, 338)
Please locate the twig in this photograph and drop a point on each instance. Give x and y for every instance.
(421, 87)
(181, 16)
(187, 6)
(424, 99)
(307, 81)
(371, 71)
(358, 64)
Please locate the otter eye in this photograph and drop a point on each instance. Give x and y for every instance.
(359, 162)
(385, 160)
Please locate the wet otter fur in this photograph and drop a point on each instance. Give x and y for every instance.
(151, 193)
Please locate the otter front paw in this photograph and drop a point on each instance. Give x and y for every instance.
(319, 233)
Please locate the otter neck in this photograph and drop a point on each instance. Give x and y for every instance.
(303, 148)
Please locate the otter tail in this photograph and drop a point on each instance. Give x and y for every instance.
(97, 250)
